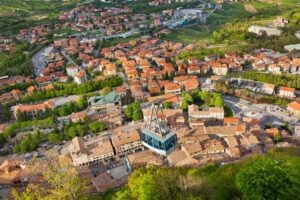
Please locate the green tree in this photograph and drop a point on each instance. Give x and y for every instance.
(133, 111)
(5, 113)
(81, 104)
(227, 111)
(218, 101)
(186, 100)
(118, 62)
(165, 76)
(62, 89)
(54, 138)
(21, 116)
(136, 115)
(32, 192)
(30, 143)
(266, 178)
(136, 106)
(222, 87)
(154, 183)
(208, 99)
(74, 130)
(62, 182)
(129, 111)
(167, 105)
(105, 91)
(63, 111)
(217, 36)
(143, 186)
(96, 127)
(123, 194)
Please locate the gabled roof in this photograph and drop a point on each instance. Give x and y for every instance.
(41, 106)
(168, 98)
(125, 137)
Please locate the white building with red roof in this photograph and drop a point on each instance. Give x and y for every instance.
(294, 108)
(287, 92)
(80, 77)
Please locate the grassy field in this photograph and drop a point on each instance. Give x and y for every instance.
(115, 41)
(142, 6)
(188, 35)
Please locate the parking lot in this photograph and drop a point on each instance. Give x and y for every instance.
(253, 86)
(279, 112)
(272, 113)
(38, 61)
(257, 87)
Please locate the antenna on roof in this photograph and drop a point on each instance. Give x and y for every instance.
(154, 122)
(156, 136)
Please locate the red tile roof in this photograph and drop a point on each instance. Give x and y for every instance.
(41, 106)
(295, 105)
(287, 89)
(172, 86)
(231, 120)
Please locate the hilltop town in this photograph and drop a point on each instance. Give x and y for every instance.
(106, 89)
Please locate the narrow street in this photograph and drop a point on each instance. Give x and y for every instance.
(68, 58)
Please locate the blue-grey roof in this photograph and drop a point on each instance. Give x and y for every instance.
(111, 97)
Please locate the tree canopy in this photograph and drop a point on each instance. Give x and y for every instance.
(97, 127)
(275, 175)
(133, 111)
(62, 181)
(201, 98)
(287, 80)
(27, 125)
(66, 89)
(265, 178)
(30, 143)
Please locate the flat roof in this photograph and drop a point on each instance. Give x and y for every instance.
(159, 136)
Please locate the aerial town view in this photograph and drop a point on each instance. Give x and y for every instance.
(150, 99)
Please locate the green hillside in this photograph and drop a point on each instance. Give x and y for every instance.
(17, 14)
(226, 28)
(32, 7)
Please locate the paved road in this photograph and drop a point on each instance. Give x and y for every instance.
(39, 62)
(123, 35)
(68, 58)
(101, 36)
(272, 113)
(59, 101)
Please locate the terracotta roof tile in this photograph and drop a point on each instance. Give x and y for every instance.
(295, 105)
